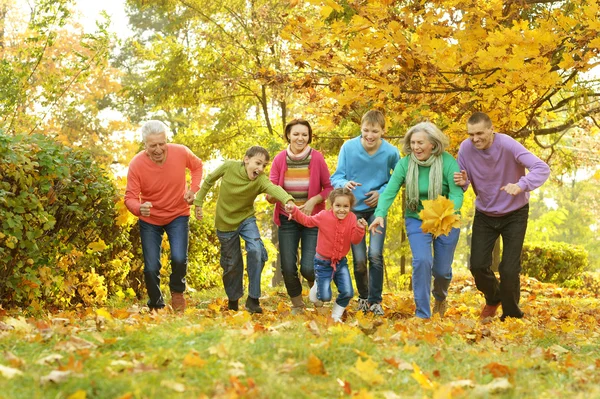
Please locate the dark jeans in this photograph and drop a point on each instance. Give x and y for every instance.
(233, 264)
(151, 236)
(369, 282)
(291, 235)
(486, 230)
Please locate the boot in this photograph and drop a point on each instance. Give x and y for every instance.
(312, 296)
(232, 305)
(337, 312)
(253, 306)
(297, 304)
(178, 301)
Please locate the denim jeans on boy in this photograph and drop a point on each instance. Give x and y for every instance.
(486, 229)
(291, 234)
(233, 264)
(425, 264)
(324, 274)
(369, 282)
(151, 236)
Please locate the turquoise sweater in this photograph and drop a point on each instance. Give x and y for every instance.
(449, 189)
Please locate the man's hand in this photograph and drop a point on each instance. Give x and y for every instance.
(145, 209)
(351, 185)
(378, 222)
(189, 196)
(460, 178)
(198, 212)
(373, 198)
(512, 189)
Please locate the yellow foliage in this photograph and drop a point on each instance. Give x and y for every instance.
(438, 216)
(367, 371)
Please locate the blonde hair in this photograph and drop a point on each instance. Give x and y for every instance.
(434, 135)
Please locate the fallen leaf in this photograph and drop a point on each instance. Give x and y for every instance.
(421, 378)
(345, 385)
(498, 370)
(80, 394)
(367, 371)
(9, 372)
(55, 377)
(173, 385)
(193, 359)
(314, 328)
(13, 359)
(315, 366)
(54, 358)
(497, 385)
(438, 216)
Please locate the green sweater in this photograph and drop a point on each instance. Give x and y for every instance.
(449, 189)
(237, 194)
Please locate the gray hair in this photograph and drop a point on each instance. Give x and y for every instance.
(434, 135)
(153, 127)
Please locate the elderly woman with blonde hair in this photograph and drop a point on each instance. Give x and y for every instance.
(427, 171)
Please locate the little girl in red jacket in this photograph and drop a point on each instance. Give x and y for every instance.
(338, 228)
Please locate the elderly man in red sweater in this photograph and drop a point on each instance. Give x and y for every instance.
(157, 193)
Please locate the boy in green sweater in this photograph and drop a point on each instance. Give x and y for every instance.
(241, 183)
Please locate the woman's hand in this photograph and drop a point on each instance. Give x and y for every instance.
(309, 205)
(378, 222)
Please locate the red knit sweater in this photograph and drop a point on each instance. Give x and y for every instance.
(335, 235)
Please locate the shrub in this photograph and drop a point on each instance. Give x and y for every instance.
(553, 262)
(59, 242)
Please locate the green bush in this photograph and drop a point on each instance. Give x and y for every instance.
(59, 242)
(553, 262)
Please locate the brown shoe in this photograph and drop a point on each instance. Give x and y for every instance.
(489, 311)
(178, 301)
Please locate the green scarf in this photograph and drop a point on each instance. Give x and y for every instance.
(412, 179)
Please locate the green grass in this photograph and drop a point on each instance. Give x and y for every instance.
(553, 352)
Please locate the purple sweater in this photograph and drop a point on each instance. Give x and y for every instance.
(503, 163)
(318, 181)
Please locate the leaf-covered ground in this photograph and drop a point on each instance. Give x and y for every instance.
(125, 352)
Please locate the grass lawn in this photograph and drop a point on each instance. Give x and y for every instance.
(124, 352)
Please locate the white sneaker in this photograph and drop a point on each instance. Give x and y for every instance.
(376, 309)
(312, 296)
(363, 305)
(337, 312)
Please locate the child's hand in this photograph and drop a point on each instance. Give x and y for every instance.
(351, 185)
(199, 214)
(378, 222)
(289, 208)
(362, 223)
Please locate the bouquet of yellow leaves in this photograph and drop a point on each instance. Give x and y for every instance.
(438, 216)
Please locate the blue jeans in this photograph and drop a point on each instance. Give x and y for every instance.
(425, 264)
(151, 236)
(486, 230)
(324, 274)
(233, 264)
(369, 282)
(291, 234)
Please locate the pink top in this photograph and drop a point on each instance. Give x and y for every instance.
(162, 185)
(318, 184)
(335, 235)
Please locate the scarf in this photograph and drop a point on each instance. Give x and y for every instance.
(298, 157)
(412, 179)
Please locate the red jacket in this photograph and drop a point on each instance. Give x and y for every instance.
(335, 235)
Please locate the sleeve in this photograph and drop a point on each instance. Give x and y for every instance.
(132, 191)
(338, 179)
(275, 191)
(325, 177)
(392, 163)
(194, 164)
(539, 171)
(210, 181)
(386, 199)
(456, 193)
(275, 172)
(306, 220)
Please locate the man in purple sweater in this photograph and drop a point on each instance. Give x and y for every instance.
(495, 163)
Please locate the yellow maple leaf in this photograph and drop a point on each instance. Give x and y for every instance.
(193, 359)
(438, 217)
(80, 394)
(367, 371)
(315, 366)
(421, 378)
(97, 246)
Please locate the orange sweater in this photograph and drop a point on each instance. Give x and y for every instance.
(162, 185)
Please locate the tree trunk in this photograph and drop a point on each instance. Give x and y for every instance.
(276, 264)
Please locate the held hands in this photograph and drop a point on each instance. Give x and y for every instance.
(309, 206)
(512, 189)
(378, 222)
(373, 198)
(460, 178)
(189, 196)
(351, 185)
(199, 214)
(289, 208)
(145, 209)
(362, 223)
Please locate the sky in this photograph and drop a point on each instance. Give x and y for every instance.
(90, 12)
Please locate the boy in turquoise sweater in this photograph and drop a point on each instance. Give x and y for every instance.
(241, 183)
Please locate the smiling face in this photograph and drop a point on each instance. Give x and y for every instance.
(341, 206)
(481, 134)
(156, 147)
(298, 138)
(371, 136)
(255, 165)
(421, 146)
